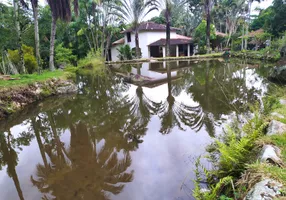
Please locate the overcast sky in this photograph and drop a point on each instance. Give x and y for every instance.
(264, 4)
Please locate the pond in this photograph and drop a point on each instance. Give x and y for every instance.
(120, 140)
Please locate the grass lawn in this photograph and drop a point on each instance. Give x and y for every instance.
(31, 78)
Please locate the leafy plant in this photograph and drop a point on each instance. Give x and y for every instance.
(29, 58)
(125, 52)
(64, 55)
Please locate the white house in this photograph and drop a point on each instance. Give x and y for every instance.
(152, 41)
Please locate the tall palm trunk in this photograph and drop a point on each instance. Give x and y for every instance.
(37, 40)
(52, 43)
(168, 31)
(208, 29)
(242, 40)
(247, 24)
(137, 48)
(103, 38)
(19, 35)
(90, 27)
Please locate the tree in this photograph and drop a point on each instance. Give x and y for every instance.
(60, 9)
(37, 38)
(207, 6)
(279, 19)
(200, 35)
(134, 12)
(19, 35)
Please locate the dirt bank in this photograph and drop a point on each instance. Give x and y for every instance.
(16, 98)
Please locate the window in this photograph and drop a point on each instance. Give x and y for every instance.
(128, 37)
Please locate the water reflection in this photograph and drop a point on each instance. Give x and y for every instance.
(115, 139)
(216, 87)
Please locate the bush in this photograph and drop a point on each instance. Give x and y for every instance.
(125, 52)
(91, 62)
(64, 55)
(29, 58)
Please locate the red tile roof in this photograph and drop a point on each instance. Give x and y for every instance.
(120, 41)
(150, 26)
(254, 33)
(179, 39)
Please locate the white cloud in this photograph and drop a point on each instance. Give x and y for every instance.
(264, 4)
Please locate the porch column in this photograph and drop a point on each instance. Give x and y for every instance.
(164, 51)
(149, 54)
(177, 50)
(189, 50)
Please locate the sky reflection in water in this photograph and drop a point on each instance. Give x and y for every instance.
(116, 140)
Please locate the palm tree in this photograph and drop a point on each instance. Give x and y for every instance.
(60, 9)
(71, 175)
(19, 35)
(173, 113)
(207, 6)
(36, 29)
(134, 12)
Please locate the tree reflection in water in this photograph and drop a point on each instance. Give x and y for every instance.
(94, 164)
(218, 88)
(9, 156)
(104, 125)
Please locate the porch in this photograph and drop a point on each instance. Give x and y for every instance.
(182, 46)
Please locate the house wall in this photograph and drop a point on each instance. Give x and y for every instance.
(114, 53)
(145, 38)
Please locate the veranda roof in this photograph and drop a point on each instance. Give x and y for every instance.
(179, 39)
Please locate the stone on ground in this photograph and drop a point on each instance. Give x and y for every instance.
(276, 128)
(271, 154)
(282, 101)
(267, 189)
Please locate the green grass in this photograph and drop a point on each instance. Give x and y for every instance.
(269, 170)
(26, 79)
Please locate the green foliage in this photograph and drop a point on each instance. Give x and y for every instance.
(272, 19)
(200, 35)
(158, 19)
(91, 64)
(214, 191)
(230, 155)
(29, 58)
(125, 52)
(64, 55)
(263, 20)
(270, 103)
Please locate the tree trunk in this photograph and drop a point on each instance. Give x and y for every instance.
(208, 29)
(168, 32)
(52, 43)
(88, 41)
(103, 38)
(242, 46)
(37, 40)
(137, 48)
(108, 40)
(90, 27)
(247, 25)
(22, 68)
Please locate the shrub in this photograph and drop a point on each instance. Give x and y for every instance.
(125, 52)
(64, 55)
(91, 62)
(29, 58)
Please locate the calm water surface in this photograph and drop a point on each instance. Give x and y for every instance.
(116, 140)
